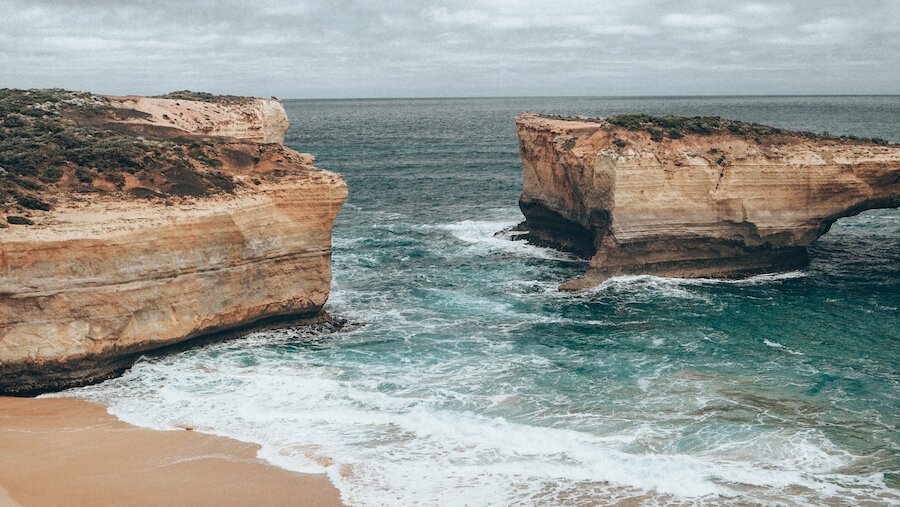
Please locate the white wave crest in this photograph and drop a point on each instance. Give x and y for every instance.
(782, 347)
(382, 448)
(483, 237)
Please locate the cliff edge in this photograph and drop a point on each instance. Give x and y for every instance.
(128, 224)
(692, 197)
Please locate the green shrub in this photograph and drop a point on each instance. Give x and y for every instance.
(32, 203)
(84, 176)
(52, 174)
(116, 178)
(17, 220)
(221, 181)
(14, 121)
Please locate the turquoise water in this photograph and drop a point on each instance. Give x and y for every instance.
(469, 379)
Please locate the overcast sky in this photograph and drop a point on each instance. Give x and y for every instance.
(414, 48)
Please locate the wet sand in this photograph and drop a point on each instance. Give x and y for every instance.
(69, 452)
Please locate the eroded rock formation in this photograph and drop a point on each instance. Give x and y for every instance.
(692, 197)
(250, 119)
(216, 225)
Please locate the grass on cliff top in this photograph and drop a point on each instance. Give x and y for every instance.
(206, 97)
(49, 142)
(676, 127)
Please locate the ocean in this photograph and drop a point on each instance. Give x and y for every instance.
(467, 378)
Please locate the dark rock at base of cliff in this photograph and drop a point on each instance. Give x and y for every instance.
(710, 260)
(546, 228)
(92, 370)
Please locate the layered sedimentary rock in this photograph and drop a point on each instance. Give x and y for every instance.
(231, 229)
(247, 118)
(692, 197)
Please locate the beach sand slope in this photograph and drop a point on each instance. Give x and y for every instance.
(69, 452)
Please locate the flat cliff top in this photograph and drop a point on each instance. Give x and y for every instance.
(206, 97)
(59, 146)
(661, 128)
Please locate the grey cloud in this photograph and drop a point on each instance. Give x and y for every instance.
(371, 48)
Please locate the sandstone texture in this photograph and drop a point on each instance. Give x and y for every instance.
(692, 197)
(182, 248)
(251, 119)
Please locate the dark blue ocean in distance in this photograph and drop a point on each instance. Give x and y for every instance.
(470, 380)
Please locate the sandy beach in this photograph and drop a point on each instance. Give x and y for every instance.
(70, 452)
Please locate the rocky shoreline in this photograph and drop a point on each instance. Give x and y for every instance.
(149, 223)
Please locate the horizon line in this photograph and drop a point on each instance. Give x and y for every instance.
(464, 97)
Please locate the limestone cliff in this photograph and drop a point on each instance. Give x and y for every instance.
(251, 119)
(692, 197)
(218, 226)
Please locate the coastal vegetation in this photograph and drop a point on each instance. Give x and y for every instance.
(54, 140)
(675, 127)
(205, 97)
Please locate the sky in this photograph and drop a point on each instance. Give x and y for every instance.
(466, 48)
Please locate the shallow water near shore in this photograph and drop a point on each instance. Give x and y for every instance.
(472, 380)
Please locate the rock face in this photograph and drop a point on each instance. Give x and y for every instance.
(692, 197)
(251, 119)
(105, 276)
